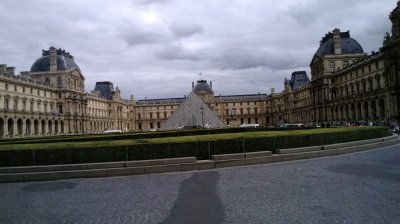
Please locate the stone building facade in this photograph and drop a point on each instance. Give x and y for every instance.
(347, 86)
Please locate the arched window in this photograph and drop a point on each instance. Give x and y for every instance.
(6, 103)
(59, 82)
(332, 66)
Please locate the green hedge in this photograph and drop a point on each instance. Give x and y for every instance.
(201, 149)
(142, 135)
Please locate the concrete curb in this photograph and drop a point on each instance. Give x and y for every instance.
(71, 171)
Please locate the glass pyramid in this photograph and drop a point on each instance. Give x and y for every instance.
(193, 113)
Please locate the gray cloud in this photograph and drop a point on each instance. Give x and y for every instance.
(239, 59)
(149, 1)
(177, 52)
(156, 48)
(138, 37)
(183, 29)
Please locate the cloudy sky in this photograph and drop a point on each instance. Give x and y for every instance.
(156, 48)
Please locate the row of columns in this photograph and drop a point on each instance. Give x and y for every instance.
(10, 127)
(361, 110)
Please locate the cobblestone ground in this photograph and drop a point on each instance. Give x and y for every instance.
(355, 188)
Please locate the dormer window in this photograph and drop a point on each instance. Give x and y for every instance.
(332, 66)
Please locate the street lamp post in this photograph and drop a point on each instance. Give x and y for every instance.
(202, 117)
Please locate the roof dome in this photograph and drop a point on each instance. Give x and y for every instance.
(348, 44)
(65, 61)
(202, 86)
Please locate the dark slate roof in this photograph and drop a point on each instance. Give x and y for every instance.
(160, 101)
(349, 45)
(298, 80)
(43, 64)
(65, 61)
(106, 89)
(248, 97)
(202, 85)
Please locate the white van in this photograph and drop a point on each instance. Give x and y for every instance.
(112, 131)
(294, 126)
(249, 125)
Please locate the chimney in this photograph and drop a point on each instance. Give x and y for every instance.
(3, 68)
(53, 59)
(192, 85)
(10, 70)
(336, 41)
(211, 84)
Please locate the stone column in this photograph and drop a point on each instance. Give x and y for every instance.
(5, 126)
(24, 131)
(15, 128)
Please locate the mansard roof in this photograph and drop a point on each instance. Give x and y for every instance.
(203, 86)
(105, 88)
(348, 44)
(65, 61)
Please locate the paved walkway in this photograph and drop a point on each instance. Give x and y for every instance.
(354, 188)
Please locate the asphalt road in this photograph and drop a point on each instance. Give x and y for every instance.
(353, 188)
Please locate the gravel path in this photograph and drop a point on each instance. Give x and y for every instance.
(355, 188)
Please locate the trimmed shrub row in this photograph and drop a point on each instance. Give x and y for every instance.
(201, 149)
(143, 135)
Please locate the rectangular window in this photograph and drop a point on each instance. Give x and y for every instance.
(60, 109)
(6, 102)
(332, 66)
(345, 63)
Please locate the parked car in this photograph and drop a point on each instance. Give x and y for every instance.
(293, 126)
(112, 131)
(249, 125)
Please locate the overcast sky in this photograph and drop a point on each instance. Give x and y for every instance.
(156, 48)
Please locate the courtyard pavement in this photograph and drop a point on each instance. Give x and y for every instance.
(354, 188)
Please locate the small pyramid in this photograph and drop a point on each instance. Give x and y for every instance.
(193, 112)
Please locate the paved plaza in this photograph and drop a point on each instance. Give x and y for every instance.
(354, 188)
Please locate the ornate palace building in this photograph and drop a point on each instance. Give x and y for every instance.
(347, 85)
